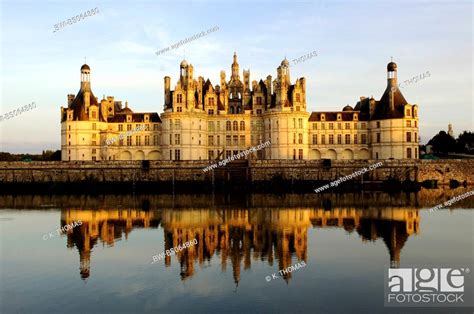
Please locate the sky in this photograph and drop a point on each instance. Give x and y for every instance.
(354, 41)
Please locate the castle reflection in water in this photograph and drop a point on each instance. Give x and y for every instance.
(238, 236)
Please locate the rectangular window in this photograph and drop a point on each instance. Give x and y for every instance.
(331, 126)
(94, 126)
(171, 140)
(155, 139)
(259, 100)
(155, 127)
(416, 137)
(378, 137)
(315, 126)
(348, 138)
(348, 126)
(147, 127)
(218, 125)
(179, 98)
(259, 111)
(294, 138)
(356, 141)
(129, 127)
(211, 101)
(228, 153)
(147, 140)
(120, 142)
(323, 139)
(210, 140)
(129, 141)
(355, 125)
(331, 138)
(94, 151)
(294, 154)
(339, 138)
(409, 123)
(363, 138)
(235, 140)
(242, 140)
(218, 140)
(300, 138)
(315, 138)
(300, 154)
(409, 152)
(364, 126)
(177, 139)
(339, 126)
(211, 154)
(408, 137)
(177, 154)
(138, 140)
(300, 123)
(294, 123)
(323, 126)
(228, 140)
(177, 124)
(120, 127)
(210, 126)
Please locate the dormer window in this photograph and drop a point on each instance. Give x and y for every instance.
(259, 100)
(94, 114)
(339, 117)
(147, 118)
(211, 111)
(129, 118)
(179, 98)
(323, 117)
(355, 117)
(298, 97)
(211, 101)
(179, 109)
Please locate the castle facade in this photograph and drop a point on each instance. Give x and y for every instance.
(203, 121)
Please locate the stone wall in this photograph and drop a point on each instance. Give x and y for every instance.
(252, 171)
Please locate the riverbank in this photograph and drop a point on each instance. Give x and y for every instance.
(273, 176)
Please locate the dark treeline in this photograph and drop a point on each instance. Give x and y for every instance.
(47, 155)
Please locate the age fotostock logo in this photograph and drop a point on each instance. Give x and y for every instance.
(427, 287)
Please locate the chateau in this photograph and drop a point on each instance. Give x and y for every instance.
(205, 121)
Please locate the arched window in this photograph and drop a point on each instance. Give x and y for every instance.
(242, 126)
(231, 109)
(235, 126)
(239, 109)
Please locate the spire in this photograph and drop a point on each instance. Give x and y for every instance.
(235, 68)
